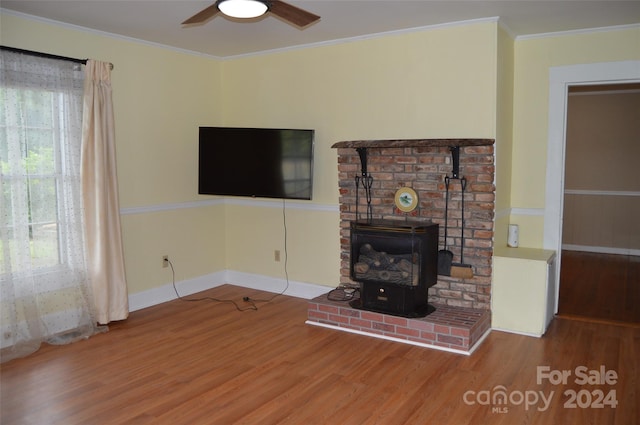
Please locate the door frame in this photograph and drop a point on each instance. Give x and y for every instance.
(560, 78)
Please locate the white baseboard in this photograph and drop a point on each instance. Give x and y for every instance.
(276, 285)
(165, 293)
(511, 331)
(401, 340)
(601, 249)
(162, 294)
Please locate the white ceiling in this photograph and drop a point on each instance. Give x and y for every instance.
(159, 21)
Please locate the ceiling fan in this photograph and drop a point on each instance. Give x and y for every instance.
(245, 9)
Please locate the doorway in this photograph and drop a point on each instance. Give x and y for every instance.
(600, 277)
(561, 78)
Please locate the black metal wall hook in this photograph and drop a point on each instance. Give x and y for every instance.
(367, 181)
(362, 152)
(455, 156)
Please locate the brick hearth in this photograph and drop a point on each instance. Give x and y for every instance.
(456, 329)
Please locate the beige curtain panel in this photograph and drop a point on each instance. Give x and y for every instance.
(105, 256)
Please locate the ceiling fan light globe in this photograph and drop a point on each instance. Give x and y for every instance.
(242, 8)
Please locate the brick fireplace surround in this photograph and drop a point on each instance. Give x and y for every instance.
(462, 316)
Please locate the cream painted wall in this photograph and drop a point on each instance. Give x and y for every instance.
(533, 58)
(254, 233)
(437, 83)
(161, 97)
(430, 84)
(504, 135)
(193, 238)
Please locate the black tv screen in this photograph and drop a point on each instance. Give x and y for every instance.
(256, 162)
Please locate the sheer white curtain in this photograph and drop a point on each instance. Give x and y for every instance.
(45, 292)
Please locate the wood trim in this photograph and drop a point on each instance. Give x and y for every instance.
(413, 143)
(580, 192)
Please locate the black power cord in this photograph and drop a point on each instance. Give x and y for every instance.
(249, 300)
(286, 259)
(227, 301)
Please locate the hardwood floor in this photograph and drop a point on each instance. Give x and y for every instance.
(600, 286)
(207, 363)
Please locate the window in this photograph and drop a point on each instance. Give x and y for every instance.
(46, 288)
(40, 133)
(36, 164)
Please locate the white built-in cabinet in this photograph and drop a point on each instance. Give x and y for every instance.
(523, 294)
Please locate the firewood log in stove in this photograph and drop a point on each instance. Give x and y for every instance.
(385, 267)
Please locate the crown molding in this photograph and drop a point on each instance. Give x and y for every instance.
(366, 37)
(577, 32)
(104, 33)
(261, 53)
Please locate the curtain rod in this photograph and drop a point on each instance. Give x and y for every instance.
(46, 55)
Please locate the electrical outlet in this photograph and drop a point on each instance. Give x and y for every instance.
(165, 261)
(276, 255)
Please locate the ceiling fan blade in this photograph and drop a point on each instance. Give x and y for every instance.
(292, 14)
(203, 15)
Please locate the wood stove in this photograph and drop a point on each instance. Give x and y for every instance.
(395, 263)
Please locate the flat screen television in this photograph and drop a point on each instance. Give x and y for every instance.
(256, 162)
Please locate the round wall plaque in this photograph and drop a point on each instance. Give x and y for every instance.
(406, 199)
